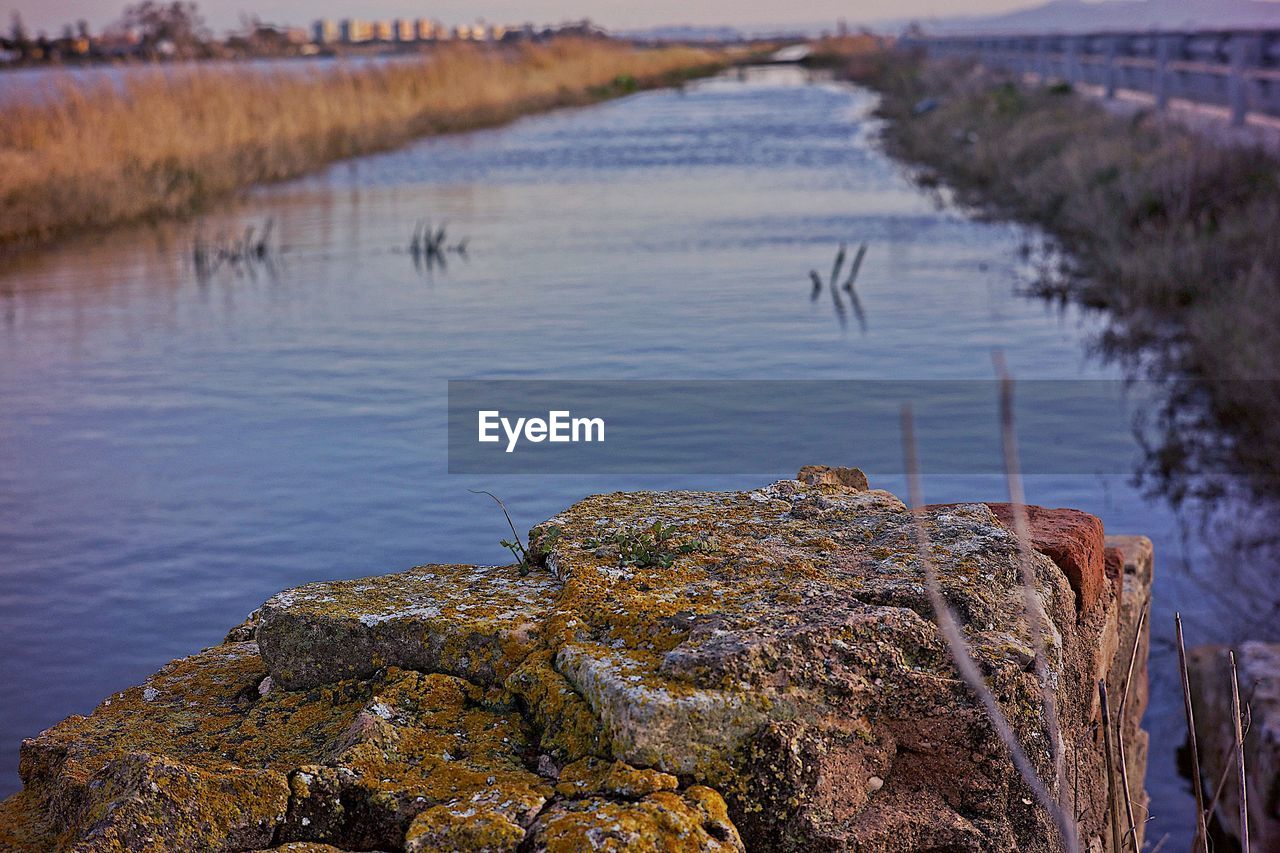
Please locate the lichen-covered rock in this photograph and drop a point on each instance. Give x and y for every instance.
(475, 622)
(197, 758)
(680, 671)
(663, 822)
(568, 727)
(825, 475)
(25, 824)
(718, 635)
(489, 820)
(592, 776)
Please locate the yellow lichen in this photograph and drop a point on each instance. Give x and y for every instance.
(592, 776)
(664, 822)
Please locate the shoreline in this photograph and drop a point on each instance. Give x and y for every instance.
(1167, 229)
(165, 148)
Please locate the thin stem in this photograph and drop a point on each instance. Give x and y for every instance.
(958, 647)
(1120, 720)
(1239, 744)
(1202, 834)
(1113, 811)
(1036, 616)
(523, 551)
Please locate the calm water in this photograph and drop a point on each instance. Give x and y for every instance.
(174, 449)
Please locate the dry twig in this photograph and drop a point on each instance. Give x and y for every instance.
(1036, 616)
(1239, 744)
(1202, 835)
(1113, 811)
(1132, 832)
(958, 647)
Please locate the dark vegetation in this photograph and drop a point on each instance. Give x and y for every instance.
(1172, 231)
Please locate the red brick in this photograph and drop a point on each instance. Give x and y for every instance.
(1074, 540)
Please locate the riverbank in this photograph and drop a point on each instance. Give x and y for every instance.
(1171, 231)
(164, 143)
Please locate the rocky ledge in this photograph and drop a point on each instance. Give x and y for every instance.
(675, 671)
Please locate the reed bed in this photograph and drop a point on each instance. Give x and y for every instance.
(163, 142)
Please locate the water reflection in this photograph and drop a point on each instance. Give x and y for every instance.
(849, 286)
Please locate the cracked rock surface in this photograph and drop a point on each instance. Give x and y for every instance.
(710, 671)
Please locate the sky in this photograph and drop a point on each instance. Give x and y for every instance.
(50, 15)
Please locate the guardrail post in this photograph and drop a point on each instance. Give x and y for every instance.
(1245, 49)
(1111, 71)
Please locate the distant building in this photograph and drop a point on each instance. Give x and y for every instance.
(407, 30)
(355, 31)
(325, 31)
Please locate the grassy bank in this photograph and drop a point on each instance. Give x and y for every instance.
(166, 142)
(1173, 233)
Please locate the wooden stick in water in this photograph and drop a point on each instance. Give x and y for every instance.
(855, 268)
(835, 269)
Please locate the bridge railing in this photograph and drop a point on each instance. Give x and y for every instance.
(1239, 70)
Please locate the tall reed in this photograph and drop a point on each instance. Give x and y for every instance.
(165, 141)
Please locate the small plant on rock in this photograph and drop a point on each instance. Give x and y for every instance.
(646, 547)
(514, 544)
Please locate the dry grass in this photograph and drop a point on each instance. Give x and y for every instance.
(165, 142)
(1173, 233)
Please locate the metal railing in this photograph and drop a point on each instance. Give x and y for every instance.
(1239, 70)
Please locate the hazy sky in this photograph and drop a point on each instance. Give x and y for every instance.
(50, 15)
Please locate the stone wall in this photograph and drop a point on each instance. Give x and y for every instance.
(675, 671)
